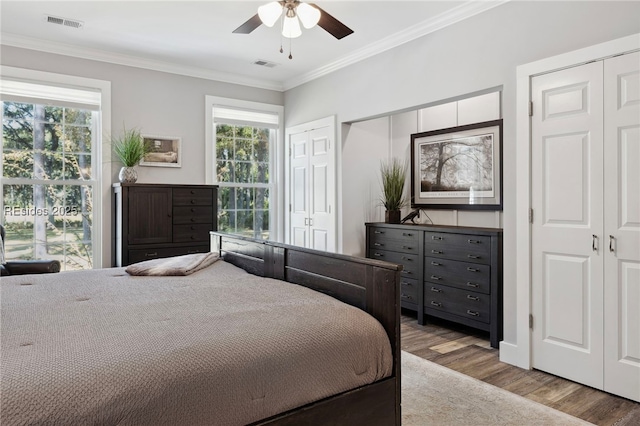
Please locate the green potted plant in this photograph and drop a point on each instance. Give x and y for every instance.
(393, 173)
(130, 150)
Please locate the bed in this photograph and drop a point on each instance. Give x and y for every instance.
(103, 347)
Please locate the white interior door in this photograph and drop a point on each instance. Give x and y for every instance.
(321, 217)
(299, 189)
(311, 186)
(622, 225)
(567, 230)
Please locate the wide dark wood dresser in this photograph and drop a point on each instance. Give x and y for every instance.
(154, 221)
(449, 272)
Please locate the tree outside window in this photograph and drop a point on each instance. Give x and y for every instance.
(47, 182)
(242, 168)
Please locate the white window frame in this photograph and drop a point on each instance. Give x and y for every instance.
(101, 230)
(276, 175)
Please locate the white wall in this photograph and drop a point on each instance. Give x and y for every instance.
(474, 55)
(157, 103)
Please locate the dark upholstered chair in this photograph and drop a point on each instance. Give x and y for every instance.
(21, 267)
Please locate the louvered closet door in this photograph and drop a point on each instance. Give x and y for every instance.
(567, 190)
(622, 226)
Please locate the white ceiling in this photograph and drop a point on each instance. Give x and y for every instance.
(195, 37)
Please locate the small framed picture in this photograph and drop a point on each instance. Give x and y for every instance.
(162, 151)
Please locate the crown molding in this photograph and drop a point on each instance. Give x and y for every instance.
(457, 14)
(47, 46)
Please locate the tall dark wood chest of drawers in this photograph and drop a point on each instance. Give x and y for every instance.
(153, 221)
(450, 272)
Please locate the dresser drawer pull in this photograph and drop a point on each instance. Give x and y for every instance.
(476, 298)
(407, 248)
(436, 290)
(433, 237)
(434, 277)
(408, 284)
(408, 259)
(193, 201)
(473, 270)
(438, 304)
(471, 256)
(378, 232)
(407, 272)
(407, 234)
(155, 253)
(474, 285)
(474, 241)
(193, 210)
(193, 219)
(436, 251)
(193, 192)
(474, 313)
(378, 254)
(193, 228)
(436, 264)
(406, 296)
(378, 244)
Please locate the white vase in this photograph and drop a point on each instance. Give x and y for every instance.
(128, 175)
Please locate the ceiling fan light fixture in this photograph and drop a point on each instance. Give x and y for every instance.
(269, 13)
(291, 27)
(309, 15)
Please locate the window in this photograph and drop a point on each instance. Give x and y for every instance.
(242, 163)
(49, 186)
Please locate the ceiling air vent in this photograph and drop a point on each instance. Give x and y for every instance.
(264, 63)
(64, 21)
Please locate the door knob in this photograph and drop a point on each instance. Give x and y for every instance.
(612, 239)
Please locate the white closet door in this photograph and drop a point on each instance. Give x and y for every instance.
(299, 190)
(311, 186)
(322, 219)
(567, 243)
(622, 225)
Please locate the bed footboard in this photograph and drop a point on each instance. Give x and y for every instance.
(367, 284)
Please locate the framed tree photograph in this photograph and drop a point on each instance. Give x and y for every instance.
(162, 151)
(458, 168)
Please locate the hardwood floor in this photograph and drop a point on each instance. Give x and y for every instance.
(468, 351)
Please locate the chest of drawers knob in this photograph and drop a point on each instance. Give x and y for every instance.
(473, 270)
(473, 241)
(378, 244)
(436, 290)
(470, 297)
(472, 256)
(436, 238)
(437, 252)
(435, 277)
(473, 313)
(434, 303)
(474, 285)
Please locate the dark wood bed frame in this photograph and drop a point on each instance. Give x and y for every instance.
(367, 284)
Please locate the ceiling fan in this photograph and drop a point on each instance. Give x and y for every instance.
(292, 10)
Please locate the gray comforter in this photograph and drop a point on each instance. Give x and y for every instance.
(219, 347)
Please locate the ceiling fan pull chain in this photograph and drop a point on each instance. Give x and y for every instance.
(290, 56)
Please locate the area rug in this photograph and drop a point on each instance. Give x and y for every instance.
(439, 396)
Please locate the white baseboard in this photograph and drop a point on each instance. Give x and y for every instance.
(509, 353)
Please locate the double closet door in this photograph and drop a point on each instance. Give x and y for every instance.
(586, 224)
(312, 189)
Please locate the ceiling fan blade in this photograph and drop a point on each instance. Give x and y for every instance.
(332, 25)
(253, 23)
